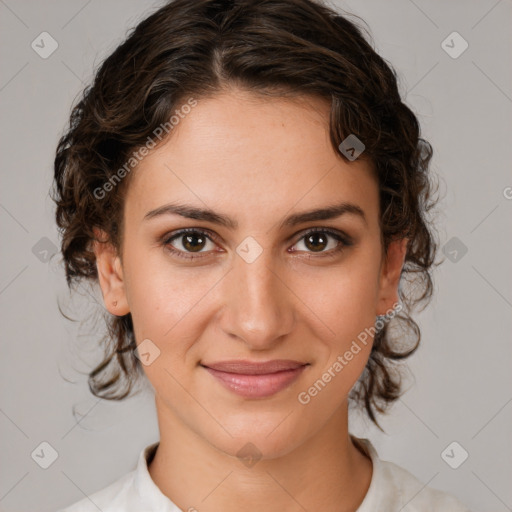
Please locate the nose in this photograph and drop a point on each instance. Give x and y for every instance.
(258, 305)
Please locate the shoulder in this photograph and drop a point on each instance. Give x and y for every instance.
(393, 488)
(110, 499)
(415, 496)
(133, 492)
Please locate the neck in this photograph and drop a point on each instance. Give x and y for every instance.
(327, 472)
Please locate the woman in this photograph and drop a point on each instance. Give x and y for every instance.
(250, 193)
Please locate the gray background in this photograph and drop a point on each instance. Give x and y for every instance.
(460, 384)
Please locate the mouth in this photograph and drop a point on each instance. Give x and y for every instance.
(256, 379)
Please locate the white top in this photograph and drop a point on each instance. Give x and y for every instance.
(392, 489)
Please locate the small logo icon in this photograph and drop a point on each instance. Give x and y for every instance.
(249, 455)
(44, 455)
(44, 45)
(454, 455)
(44, 249)
(351, 147)
(249, 250)
(147, 352)
(454, 45)
(454, 249)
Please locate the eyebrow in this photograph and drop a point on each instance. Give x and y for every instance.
(205, 214)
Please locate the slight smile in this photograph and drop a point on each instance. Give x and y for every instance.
(256, 379)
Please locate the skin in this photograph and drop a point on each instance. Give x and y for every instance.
(256, 160)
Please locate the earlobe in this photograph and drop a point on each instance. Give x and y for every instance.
(390, 275)
(110, 275)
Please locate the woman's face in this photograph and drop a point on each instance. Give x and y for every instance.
(256, 286)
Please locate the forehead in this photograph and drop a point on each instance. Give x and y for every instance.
(246, 155)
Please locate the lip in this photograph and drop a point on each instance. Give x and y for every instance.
(256, 379)
(244, 367)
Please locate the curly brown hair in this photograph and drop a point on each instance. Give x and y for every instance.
(268, 47)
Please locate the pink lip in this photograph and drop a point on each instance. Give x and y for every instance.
(256, 380)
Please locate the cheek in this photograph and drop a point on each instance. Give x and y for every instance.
(346, 302)
(167, 302)
(151, 292)
(343, 297)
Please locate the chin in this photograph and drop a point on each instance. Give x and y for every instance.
(262, 440)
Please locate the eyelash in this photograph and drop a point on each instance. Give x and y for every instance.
(343, 240)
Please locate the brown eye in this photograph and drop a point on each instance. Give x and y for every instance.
(193, 243)
(324, 241)
(316, 241)
(187, 242)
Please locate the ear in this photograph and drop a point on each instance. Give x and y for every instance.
(389, 279)
(110, 275)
